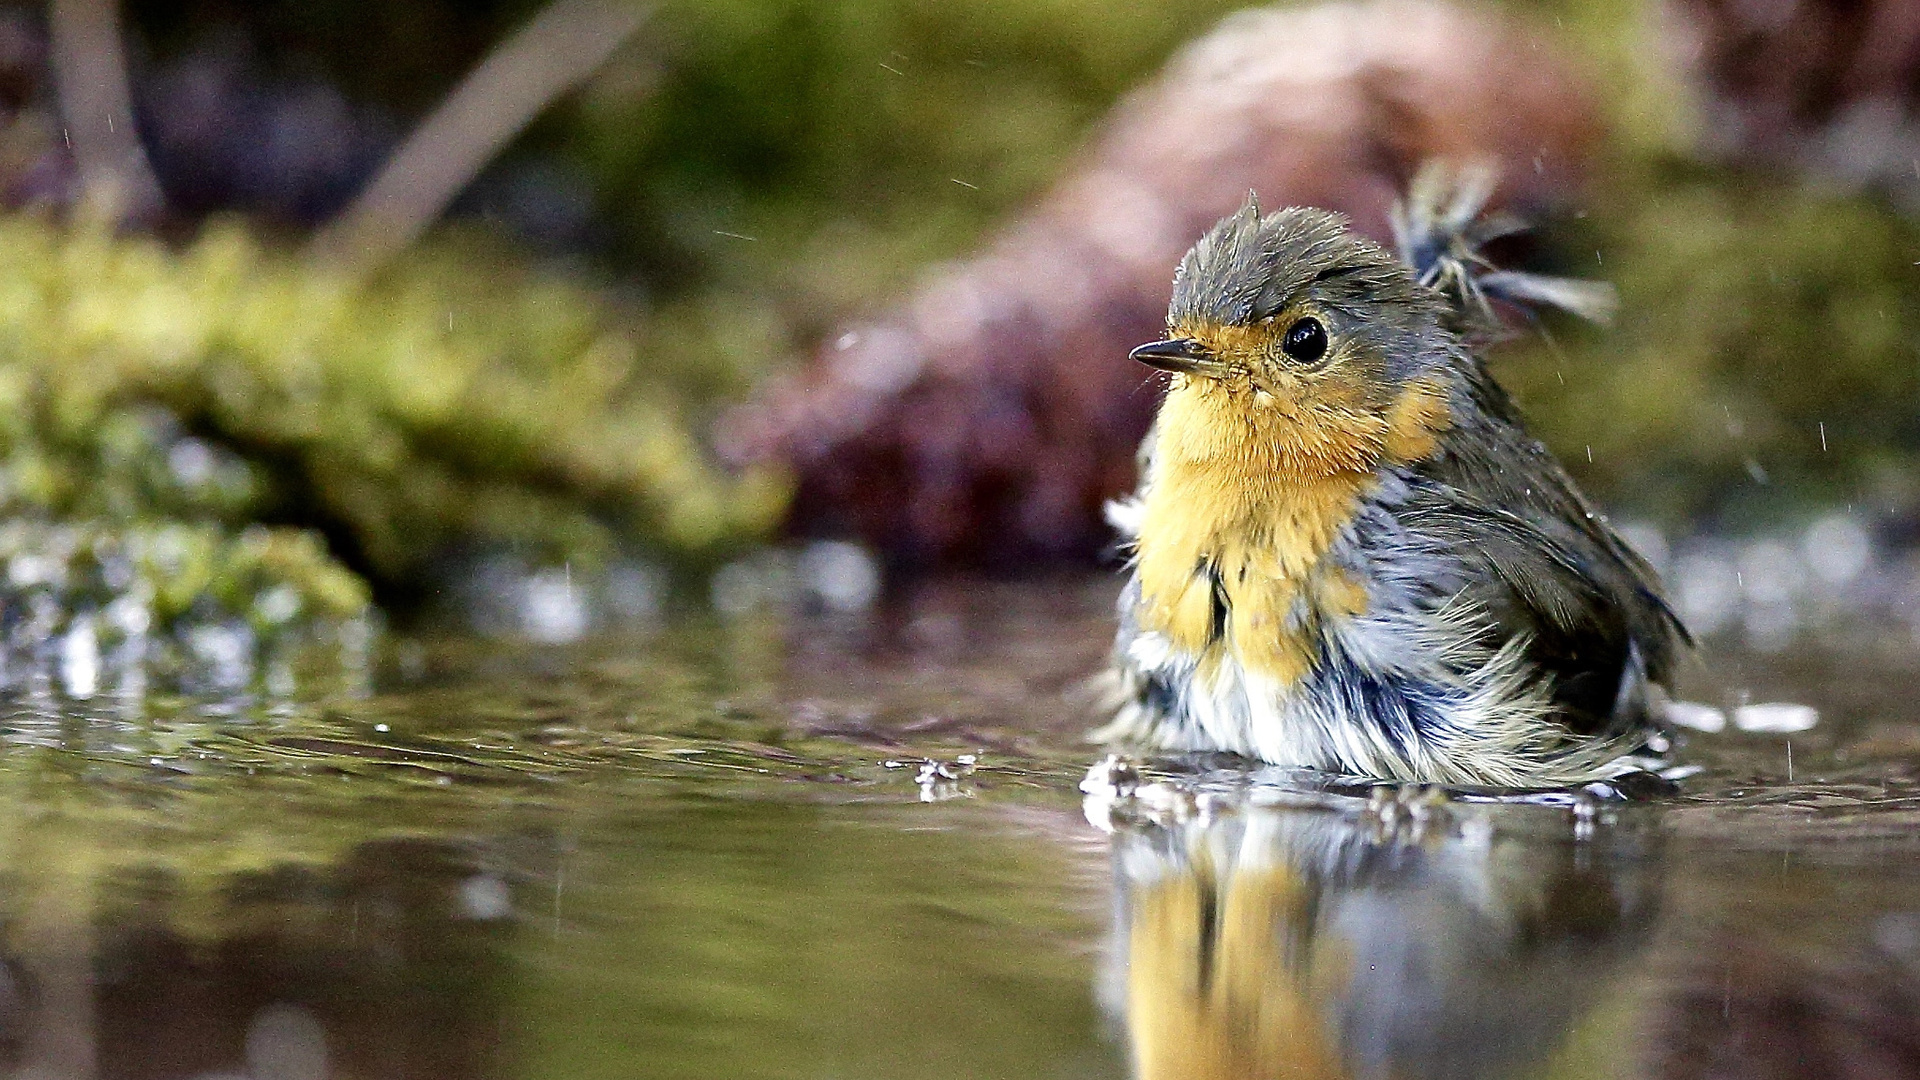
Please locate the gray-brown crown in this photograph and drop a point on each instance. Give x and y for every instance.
(1248, 267)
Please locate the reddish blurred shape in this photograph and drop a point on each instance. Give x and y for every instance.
(1831, 86)
(985, 419)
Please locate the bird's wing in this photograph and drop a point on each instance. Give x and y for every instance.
(1499, 465)
(1542, 562)
(1589, 623)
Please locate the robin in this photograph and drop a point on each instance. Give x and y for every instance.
(1346, 551)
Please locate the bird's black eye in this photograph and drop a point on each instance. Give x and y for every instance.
(1305, 341)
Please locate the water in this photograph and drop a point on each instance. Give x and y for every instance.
(857, 847)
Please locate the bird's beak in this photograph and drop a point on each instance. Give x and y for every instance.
(1183, 355)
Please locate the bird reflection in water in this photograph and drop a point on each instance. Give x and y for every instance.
(1401, 936)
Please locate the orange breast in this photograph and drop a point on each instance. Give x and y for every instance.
(1248, 492)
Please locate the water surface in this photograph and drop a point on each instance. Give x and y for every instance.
(858, 847)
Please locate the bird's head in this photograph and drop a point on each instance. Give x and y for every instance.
(1304, 334)
(1298, 306)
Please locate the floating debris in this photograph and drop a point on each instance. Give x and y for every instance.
(1775, 718)
(1695, 716)
(1405, 812)
(942, 780)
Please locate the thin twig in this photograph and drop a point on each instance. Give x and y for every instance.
(563, 45)
(96, 106)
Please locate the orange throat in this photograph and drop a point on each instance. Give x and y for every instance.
(1248, 491)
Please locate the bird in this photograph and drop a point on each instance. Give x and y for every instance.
(1345, 551)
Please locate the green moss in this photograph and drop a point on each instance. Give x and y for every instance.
(460, 400)
(1766, 346)
(210, 452)
(119, 609)
(854, 140)
(1764, 360)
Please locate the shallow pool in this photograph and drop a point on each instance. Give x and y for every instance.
(843, 848)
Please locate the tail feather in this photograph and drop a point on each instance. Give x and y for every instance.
(1441, 228)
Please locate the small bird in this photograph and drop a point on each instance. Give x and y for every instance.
(1346, 551)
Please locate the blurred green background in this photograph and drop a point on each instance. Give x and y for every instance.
(538, 375)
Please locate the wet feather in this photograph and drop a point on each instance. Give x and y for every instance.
(1347, 552)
